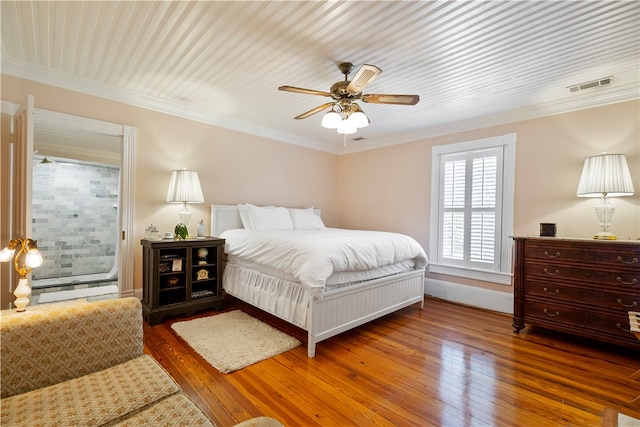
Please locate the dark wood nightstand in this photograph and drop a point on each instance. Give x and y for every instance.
(181, 277)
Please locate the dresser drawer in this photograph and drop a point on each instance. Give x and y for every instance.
(610, 327)
(620, 256)
(580, 295)
(554, 272)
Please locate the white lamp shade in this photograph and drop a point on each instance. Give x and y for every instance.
(33, 258)
(184, 187)
(6, 254)
(605, 174)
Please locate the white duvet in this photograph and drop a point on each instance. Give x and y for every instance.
(311, 256)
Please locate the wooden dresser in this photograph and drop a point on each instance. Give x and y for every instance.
(580, 286)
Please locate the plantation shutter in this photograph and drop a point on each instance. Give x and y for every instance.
(471, 203)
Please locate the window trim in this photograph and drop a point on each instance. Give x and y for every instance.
(503, 275)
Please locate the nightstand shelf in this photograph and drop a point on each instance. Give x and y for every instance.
(181, 277)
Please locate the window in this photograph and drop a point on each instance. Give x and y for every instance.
(472, 208)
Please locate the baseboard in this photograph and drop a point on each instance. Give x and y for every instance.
(470, 295)
(136, 293)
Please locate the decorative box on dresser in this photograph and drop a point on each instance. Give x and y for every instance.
(181, 277)
(583, 287)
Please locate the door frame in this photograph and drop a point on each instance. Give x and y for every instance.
(126, 192)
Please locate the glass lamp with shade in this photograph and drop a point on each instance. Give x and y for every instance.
(604, 176)
(184, 188)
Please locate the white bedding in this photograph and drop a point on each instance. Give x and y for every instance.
(337, 280)
(312, 256)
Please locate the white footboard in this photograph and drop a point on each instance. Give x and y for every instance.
(338, 310)
(342, 310)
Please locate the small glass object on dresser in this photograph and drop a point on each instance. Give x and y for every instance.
(152, 233)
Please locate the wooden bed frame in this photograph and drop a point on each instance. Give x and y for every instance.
(341, 309)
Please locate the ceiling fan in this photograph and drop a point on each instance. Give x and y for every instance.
(346, 115)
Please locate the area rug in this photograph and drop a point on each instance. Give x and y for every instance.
(233, 340)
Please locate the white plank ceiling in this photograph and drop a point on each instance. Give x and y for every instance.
(473, 63)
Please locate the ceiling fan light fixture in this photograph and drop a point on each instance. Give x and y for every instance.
(345, 115)
(331, 120)
(347, 127)
(359, 119)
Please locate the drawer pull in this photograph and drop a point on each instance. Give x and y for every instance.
(632, 282)
(546, 290)
(634, 260)
(621, 328)
(552, 314)
(635, 304)
(555, 273)
(552, 256)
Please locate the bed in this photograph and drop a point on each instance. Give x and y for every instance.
(326, 298)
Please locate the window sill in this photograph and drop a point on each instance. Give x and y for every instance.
(468, 273)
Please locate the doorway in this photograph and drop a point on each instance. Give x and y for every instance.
(81, 205)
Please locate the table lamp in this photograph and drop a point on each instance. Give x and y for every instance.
(604, 176)
(184, 188)
(30, 258)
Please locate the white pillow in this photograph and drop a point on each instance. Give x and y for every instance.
(269, 218)
(306, 219)
(244, 217)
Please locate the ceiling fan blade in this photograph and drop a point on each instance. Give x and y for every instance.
(315, 110)
(391, 99)
(302, 90)
(363, 77)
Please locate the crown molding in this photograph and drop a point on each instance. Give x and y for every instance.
(562, 106)
(90, 87)
(9, 108)
(614, 94)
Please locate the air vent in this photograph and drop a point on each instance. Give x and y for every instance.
(359, 138)
(588, 85)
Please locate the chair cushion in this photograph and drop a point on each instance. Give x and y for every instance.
(52, 343)
(173, 411)
(93, 399)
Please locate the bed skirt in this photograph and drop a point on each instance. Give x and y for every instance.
(283, 298)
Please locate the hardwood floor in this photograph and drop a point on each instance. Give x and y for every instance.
(446, 365)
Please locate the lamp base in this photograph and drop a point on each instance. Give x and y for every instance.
(605, 235)
(604, 212)
(22, 293)
(185, 215)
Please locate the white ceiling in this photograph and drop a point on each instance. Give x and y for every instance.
(473, 63)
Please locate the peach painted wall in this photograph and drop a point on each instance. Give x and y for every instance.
(234, 167)
(389, 188)
(384, 189)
